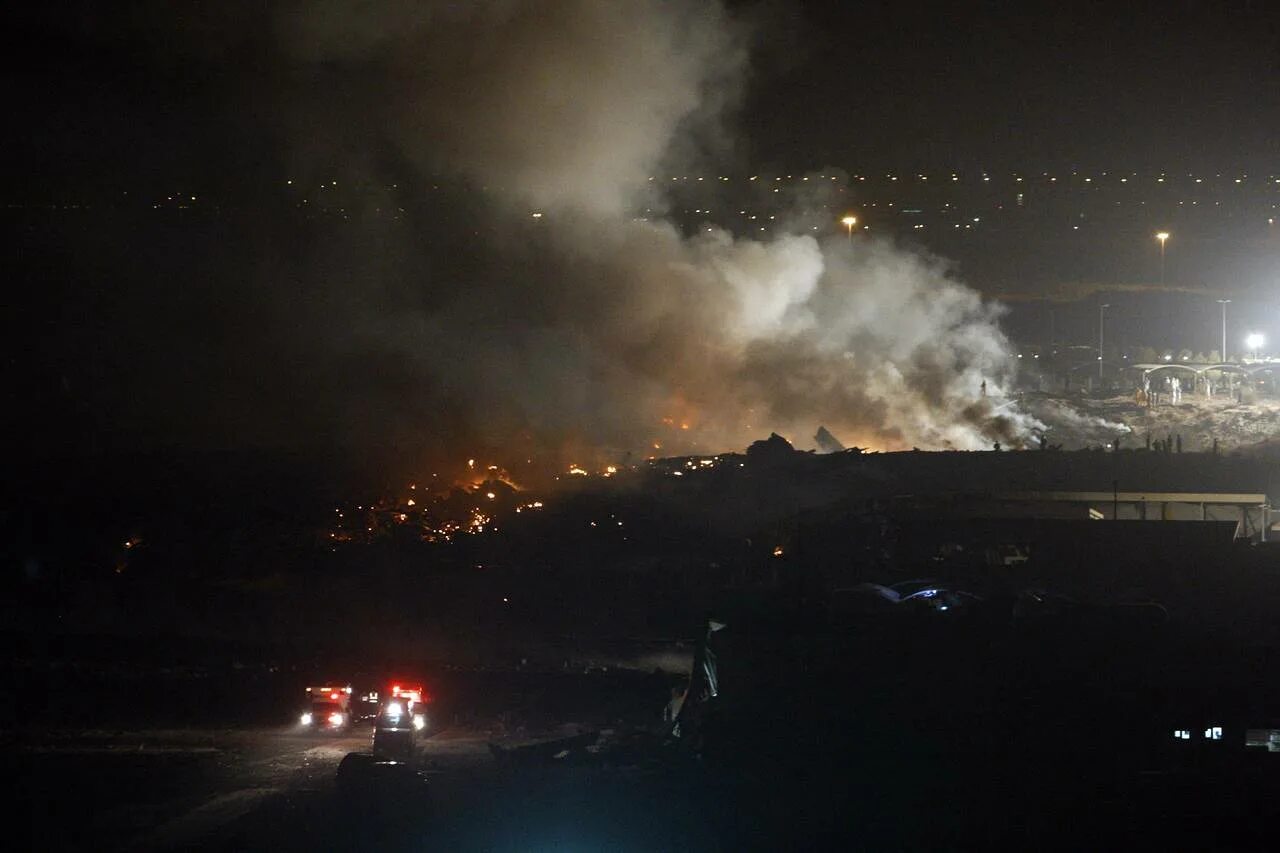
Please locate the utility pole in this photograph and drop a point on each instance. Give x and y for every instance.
(1162, 237)
(1222, 354)
(1102, 313)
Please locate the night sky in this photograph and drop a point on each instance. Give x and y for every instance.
(1171, 85)
(252, 328)
(195, 97)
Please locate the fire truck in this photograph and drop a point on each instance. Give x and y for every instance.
(401, 720)
(328, 709)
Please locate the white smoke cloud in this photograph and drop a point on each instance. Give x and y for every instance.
(565, 104)
(1072, 428)
(592, 327)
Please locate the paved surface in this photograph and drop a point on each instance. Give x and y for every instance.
(274, 790)
(188, 789)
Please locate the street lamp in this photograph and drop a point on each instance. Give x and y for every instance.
(1102, 313)
(1253, 342)
(1162, 236)
(849, 222)
(1222, 356)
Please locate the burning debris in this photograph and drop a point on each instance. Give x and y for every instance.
(464, 509)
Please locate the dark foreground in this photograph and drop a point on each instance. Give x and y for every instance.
(921, 729)
(271, 789)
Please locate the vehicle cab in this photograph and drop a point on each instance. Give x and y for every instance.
(401, 719)
(328, 709)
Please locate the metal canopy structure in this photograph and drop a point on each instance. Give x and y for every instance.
(1199, 368)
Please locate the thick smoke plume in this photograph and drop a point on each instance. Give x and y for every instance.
(588, 328)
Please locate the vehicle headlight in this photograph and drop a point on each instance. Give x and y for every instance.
(336, 719)
(419, 721)
(305, 719)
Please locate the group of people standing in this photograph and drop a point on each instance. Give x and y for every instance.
(1153, 394)
(1168, 389)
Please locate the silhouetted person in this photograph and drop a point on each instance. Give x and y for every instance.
(996, 447)
(1179, 442)
(984, 387)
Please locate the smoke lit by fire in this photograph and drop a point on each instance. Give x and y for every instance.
(589, 335)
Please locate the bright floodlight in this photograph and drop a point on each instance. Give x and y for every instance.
(1254, 341)
(849, 221)
(1162, 236)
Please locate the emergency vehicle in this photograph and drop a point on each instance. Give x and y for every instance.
(400, 721)
(328, 708)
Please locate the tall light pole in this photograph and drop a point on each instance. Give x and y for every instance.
(1102, 313)
(1222, 356)
(1162, 236)
(849, 222)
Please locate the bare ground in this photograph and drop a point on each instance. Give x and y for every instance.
(1249, 426)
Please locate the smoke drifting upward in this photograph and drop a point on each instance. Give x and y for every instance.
(589, 327)
(564, 105)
